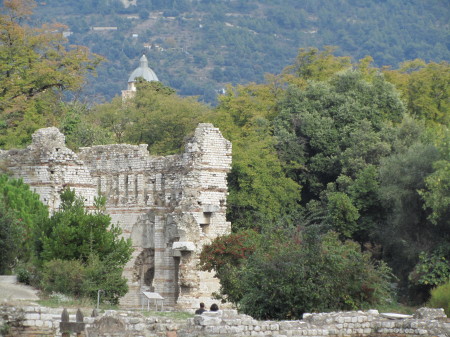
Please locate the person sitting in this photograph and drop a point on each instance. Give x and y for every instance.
(201, 310)
(214, 307)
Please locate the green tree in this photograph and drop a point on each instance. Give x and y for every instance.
(79, 129)
(35, 66)
(425, 89)
(226, 255)
(155, 116)
(22, 213)
(292, 272)
(260, 192)
(10, 238)
(406, 230)
(74, 233)
(335, 128)
(315, 64)
(74, 239)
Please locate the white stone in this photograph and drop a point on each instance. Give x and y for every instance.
(395, 316)
(139, 327)
(184, 246)
(32, 316)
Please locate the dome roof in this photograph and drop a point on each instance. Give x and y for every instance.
(143, 71)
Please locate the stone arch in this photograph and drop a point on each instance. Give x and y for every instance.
(144, 269)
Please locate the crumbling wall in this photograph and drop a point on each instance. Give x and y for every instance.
(48, 166)
(169, 206)
(34, 321)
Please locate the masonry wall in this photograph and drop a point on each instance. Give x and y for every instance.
(39, 321)
(169, 206)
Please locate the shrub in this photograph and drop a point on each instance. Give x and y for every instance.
(63, 276)
(103, 275)
(440, 297)
(314, 274)
(28, 274)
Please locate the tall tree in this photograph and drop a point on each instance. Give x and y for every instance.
(425, 87)
(156, 116)
(22, 213)
(35, 66)
(260, 192)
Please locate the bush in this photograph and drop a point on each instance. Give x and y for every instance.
(78, 279)
(27, 274)
(23, 276)
(440, 297)
(63, 276)
(309, 274)
(103, 275)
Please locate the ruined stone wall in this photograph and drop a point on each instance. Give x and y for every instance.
(39, 321)
(169, 206)
(48, 166)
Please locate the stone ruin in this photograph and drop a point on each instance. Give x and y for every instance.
(32, 321)
(169, 206)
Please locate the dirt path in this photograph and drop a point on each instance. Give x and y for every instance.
(11, 291)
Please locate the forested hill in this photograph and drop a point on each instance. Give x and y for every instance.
(197, 46)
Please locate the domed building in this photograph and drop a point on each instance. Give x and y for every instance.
(143, 71)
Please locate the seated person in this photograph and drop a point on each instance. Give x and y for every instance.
(201, 310)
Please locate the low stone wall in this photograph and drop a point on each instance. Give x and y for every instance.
(39, 321)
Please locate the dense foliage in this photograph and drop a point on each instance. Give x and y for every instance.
(156, 116)
(73, 252)
(290, 272)
(365, 168)
(21, 213)
(81, 252)
(35, 67)
(340, 168)
(440, 297)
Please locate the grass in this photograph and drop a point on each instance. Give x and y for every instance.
(86, 303)
(396, 308)
(75, 303)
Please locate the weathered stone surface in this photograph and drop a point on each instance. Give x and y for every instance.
(169, 206)
(429, 313)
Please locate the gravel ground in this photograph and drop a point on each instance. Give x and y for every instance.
(11, 291)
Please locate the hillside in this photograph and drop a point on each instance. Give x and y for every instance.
(198, 46)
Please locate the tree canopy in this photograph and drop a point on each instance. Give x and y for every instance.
(36, 65)
(21, 214)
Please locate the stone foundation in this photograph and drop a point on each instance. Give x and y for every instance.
(39, 321)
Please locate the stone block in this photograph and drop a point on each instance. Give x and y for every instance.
(139, 327)
(46, 317)
(429, 313)
(32, 316)
(274, 327)
(205, 320)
